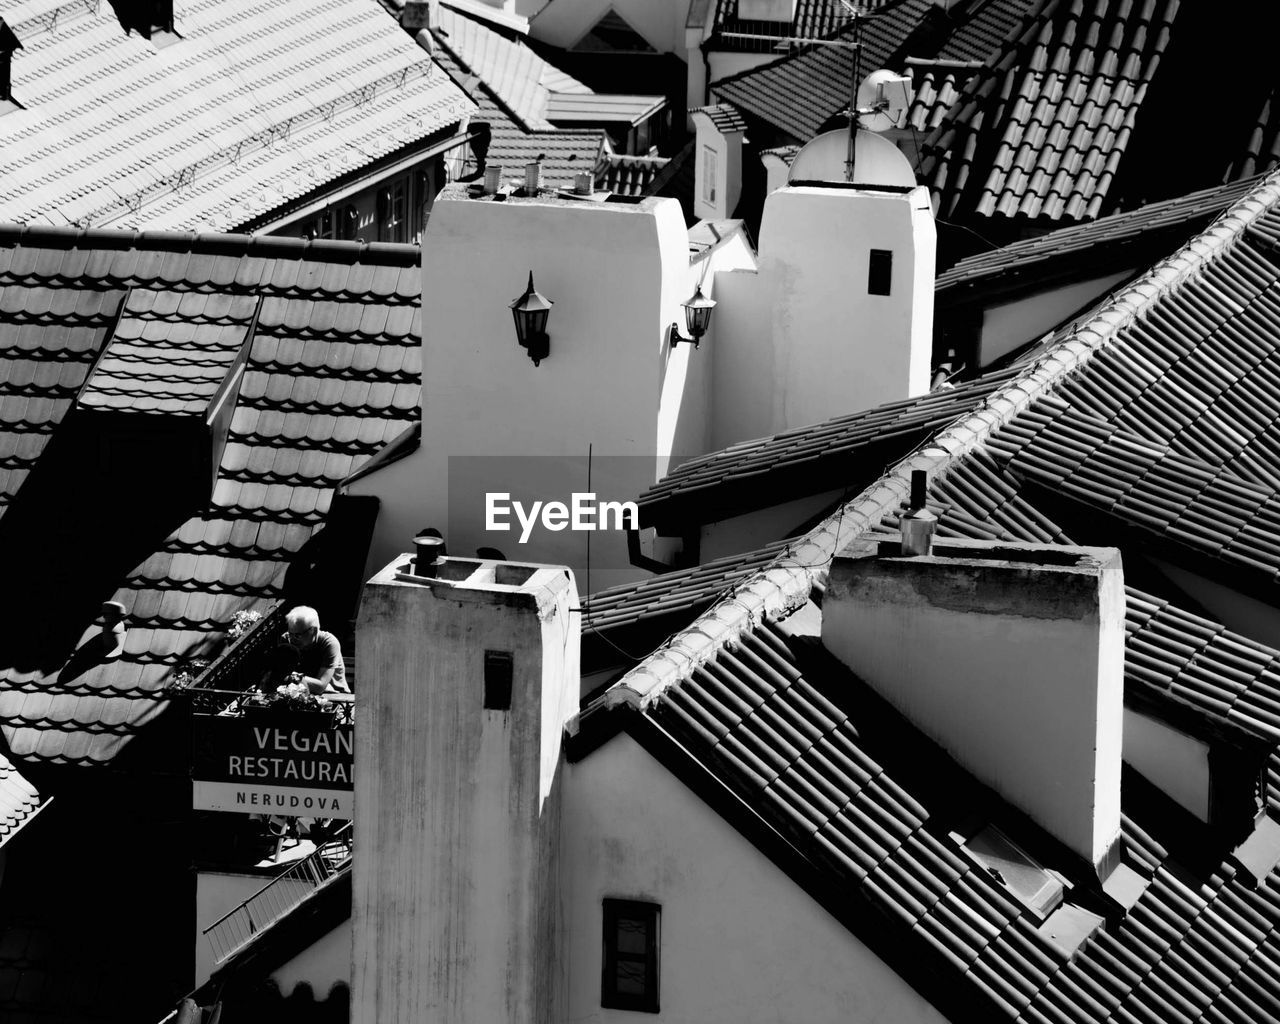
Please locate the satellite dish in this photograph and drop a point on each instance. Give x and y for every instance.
(878, 161)
(883, 99)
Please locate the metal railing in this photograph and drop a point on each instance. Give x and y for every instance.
(240, 926)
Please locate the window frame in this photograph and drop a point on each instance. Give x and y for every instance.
(650, 914)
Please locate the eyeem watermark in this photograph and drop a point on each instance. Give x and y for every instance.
(583, 513)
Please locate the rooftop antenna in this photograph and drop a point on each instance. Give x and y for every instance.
(853, 88)
(875, 105)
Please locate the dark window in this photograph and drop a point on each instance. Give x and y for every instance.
(880, 272)
(630, 956)
(497, 680)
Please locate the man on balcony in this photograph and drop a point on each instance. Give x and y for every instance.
(319, 653)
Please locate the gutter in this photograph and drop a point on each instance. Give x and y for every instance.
(784, 585)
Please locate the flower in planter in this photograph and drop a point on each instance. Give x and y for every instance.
(241, 623)
(296, 696)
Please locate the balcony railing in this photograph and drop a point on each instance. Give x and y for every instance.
(236, 929)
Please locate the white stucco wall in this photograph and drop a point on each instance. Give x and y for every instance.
(724, 168)
(217, 893)
(1015, 668)
(1172, 760)
(661, 22)
(740, 941)
(457, 807)
(806, 340)
(1010, 325)
(617, 274)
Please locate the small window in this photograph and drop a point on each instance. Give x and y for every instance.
(630, 956)
(709, 174)
(880, 272)
(497, 680)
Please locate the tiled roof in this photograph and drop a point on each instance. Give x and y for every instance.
(333, 374)
(1199, 371)
(19, 801)
(798, 94)
(807, 460)
(935, 86)
(671, 593)
(1142, 234)
(1209, 509)
(724, 116)
(608, 108)
(259, 104)
(871, 812)
(865, 806)
(1040, 134)
(520, 79)
(814, 19)
(564, 153)
(169, 352)
(630, 175)
(984, 27)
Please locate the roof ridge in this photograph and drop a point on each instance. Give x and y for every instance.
(785, 583)
(210, 243)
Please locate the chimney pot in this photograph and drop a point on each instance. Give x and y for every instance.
(918, 523)
(492, 178)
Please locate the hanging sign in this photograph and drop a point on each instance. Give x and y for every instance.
(289, 763)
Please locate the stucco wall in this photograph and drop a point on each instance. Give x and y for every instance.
(1173, 761)
(807, 342)
(1010, 325)
(616, 274)
(453, 902)
(1015, 668)
(740, 941)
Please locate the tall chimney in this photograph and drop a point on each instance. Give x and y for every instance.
(1010, 657)
(466, 680)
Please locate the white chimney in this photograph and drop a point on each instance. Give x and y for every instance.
(466, 681)
(839, 316)
(610, 402)
(1011, 657)
(717, 161)
(768, 10)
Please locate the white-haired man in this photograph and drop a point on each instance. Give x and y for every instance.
(319, 653)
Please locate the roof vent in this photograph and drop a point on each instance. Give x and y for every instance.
(8, 43)
(533, 178)
(918, 523)
(583, 183)
(492, 178)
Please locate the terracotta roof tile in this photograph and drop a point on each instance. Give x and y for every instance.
(1074, 71)
(297, 431)
(92, 153)
(1131, 239)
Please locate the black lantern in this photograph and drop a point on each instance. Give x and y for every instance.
(697, 318)
(530, 311)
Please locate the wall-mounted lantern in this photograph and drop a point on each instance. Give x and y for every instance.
(530, 311)
(697, 318)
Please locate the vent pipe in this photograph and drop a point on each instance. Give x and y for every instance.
(918, 523)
